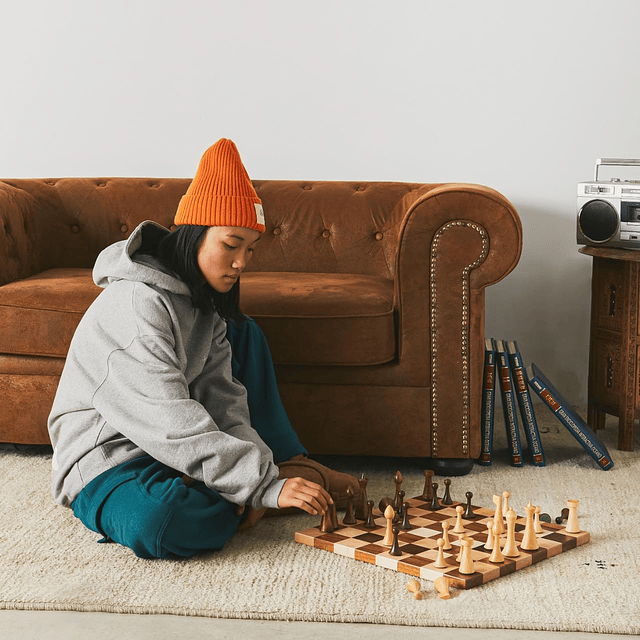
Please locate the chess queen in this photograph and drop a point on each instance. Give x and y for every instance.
(167, 426)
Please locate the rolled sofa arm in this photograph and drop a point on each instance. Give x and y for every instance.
(454, 241)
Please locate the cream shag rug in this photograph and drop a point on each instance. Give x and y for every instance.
(49, 561)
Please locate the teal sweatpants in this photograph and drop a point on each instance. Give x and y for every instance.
(146, 506)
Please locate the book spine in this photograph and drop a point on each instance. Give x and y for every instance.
(509, 406)
(559, 410)
(526, 410)
(488, 406)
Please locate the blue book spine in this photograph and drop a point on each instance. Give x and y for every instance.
(521, 384)
(488, 403)
(509, 404)
(572, 421)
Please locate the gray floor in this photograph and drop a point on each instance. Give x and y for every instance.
(63, 625)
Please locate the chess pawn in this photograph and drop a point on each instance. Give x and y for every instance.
(572, 521)
(440, 563)
(496, 554)
(537, 527)
(445, 535)
(505, 502)
(459, 528)
(388, 536)
(489, 543)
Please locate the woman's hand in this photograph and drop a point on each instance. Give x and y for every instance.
(305, 495)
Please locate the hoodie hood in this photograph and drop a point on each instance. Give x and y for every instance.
(117, 262)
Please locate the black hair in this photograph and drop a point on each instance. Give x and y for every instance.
(177, 251)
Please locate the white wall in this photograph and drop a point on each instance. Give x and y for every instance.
(520, 96)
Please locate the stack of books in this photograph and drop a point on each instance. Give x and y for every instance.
(504, 369)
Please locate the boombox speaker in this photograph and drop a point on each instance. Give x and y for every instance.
(609, 211)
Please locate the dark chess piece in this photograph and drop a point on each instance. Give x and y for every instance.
(406, 525)
(427, 494)
(384, 503)
(362, 499)
(349, 518)
(564, 515)
(333, 512)
(545, 517)
(395, 547)
(468, 513)
(435, 505)
(370, 523)
(326, 526)
(446, 499)
(398, 507)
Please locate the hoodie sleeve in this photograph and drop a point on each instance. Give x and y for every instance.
(146, 397)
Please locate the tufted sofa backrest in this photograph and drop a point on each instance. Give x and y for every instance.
(330, 227)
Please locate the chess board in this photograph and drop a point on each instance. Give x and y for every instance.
(419, 545)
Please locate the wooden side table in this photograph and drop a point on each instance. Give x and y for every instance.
(614, 346)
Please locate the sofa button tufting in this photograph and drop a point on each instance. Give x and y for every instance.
(124, 228)
(307, 187)
(379, 236)
(101, 184)
(173, 227)
(75, 228)
(277, 231)
(326, 233)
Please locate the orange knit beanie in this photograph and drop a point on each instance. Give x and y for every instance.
(221, 193)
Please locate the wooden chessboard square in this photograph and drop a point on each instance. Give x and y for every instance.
(427, 532)
(489, 571)
(419, 521)
(405, 536)
(349, 532)
(476, 526)
(552, 547)
(581, 538)
(415, 561)
(567, 541)
(537, 555)
(412, 549)
(427, 543)
(307, 536)
(370, 537)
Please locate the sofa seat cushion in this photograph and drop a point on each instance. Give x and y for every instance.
(322, 318)
(39, 315)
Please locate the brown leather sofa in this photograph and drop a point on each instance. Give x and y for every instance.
(371, 295)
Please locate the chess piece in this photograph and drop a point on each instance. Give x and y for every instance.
(395, 546)
(370, 523)
(413, 586)
(445, 535)
(564, 514)
(384, 503)
(461, 538)
(497, 516)
(333, 511)
(572, 520)
(399, 509)
(529, 538)
(406, 524)
(459, 528)
(545, 517)
(435, 505)
(468, 513)
(510, 547)
(349, 518)
(442, 585)
(361, 507)
(398, 480)
(326, 526)
(505, 502)
(446, 499)
(467, 566)
(489, 543)
(537, 527)
(440, 563)
(388, 536)
(427, 494)
(496, 555)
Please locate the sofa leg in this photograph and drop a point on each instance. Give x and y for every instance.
(449, 466)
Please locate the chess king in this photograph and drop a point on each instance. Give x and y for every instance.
(168, 430)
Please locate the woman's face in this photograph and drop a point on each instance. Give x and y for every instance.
(224, 253)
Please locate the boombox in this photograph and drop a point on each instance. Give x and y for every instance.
(609, 211)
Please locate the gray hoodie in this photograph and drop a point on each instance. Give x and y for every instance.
(148, 373)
